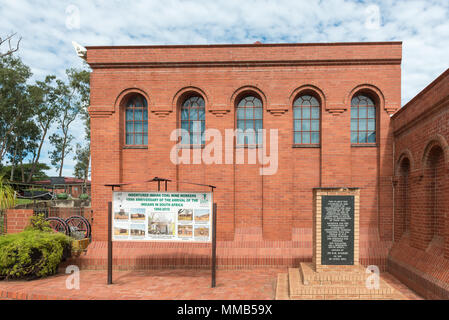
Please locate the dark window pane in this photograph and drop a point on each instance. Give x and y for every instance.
(306, 137)
(258, 124)
(297, 125)
(129, 139)
(362, 112)
(129, 114)
(353, 124)
(241, 124)
(354, 137)
(145, 114)
(362, 137)
(315, 137)
(297, 113)
(249, 124)
(129, 127)
(362, 124)
(201, 114)
(137, 114)
(240, 113)
(306, 125)
(249, 113)
(138, 127)
(184, 114)
(145, 139)
(372, 137)
(297, 137)
(138, 139)
(193, 114)
(305, 112)
(185, 125)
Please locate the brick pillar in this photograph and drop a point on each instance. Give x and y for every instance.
(17, 219)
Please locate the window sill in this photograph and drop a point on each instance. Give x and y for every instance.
(364, 145)
(135, 147)
(306, 145)
(249, 146)
(190, 146)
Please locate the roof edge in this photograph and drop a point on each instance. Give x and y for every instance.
(246, 45)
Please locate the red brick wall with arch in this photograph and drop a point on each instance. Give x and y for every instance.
(420, 257)
(274, 212)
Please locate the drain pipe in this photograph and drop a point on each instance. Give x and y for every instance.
(392, 183)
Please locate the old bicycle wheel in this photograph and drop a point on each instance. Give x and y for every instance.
(79, 226)
(59, 225)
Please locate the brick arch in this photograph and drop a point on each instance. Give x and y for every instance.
(121, 98)
(406, 153)
(436, 140)
(308, 88)
(374, 91)
(184, 92)
(251, 90)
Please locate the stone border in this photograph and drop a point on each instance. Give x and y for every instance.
(317, 196)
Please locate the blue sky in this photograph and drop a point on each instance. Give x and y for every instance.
(48, 28)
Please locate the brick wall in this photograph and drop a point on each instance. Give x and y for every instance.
(17, 219)
(421, 225)
(277, 205)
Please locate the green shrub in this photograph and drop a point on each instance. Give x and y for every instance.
(33, 253)
(84, 196)
(62, 196)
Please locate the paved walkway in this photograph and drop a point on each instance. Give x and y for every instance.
(172, 284)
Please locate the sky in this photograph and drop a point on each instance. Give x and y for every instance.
(47, 29)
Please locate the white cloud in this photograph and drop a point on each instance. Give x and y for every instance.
(422, 25)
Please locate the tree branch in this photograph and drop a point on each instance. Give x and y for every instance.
(11, 48)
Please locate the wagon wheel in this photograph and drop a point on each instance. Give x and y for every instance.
(59, 225)
(79, 224)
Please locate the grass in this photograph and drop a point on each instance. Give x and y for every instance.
(23, 201)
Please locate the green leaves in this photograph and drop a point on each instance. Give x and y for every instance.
(31, 254)
(7, 195)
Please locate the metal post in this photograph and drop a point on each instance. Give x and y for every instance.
(109, 242)
(214, 243)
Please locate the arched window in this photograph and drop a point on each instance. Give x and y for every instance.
(306, 120)
(249, 121)
(136, 121)
(193, 118)
(363, 120)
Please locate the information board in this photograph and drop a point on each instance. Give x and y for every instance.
(162, 216)
(337, 230)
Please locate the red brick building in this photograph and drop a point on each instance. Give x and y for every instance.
(332, 106)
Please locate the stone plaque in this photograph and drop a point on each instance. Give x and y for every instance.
(337, 230)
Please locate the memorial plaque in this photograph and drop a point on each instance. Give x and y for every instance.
(337, 230)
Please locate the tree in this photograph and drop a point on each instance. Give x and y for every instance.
(39, 171)
(81, 81)
(16, 104)
(47, 109)
(82, 158)
(24, 142)
(11, 48)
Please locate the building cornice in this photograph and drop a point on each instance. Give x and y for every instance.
(265, 63)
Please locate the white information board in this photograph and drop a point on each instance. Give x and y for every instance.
(166, 216)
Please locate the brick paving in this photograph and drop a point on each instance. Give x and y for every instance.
(168, 284)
